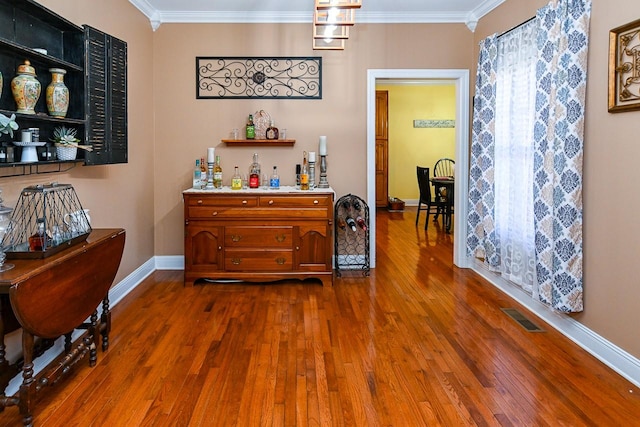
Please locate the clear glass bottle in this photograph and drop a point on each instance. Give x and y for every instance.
(272, 131)
(217, 173)
(274, 182)
(254, 172)
(197, 176)
(236, 180)
(251, 128)
(304, 174)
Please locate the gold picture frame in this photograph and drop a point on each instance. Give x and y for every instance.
(624, 68)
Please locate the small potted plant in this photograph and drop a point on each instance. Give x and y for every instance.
(66, 143)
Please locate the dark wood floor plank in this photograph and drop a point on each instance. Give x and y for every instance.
(417, 343)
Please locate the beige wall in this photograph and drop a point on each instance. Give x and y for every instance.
(611, 197)
(117, 195)
(187, 126)
(409, 146)
(169, 128)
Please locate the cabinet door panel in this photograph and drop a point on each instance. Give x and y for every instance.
(203, 247)
(313, 249)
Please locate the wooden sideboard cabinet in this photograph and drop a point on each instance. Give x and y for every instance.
(258, 235)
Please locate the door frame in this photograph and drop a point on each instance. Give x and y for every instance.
(461, 79)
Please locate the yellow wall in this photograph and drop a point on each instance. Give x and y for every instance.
(410, 147)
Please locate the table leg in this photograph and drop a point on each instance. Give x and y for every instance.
(105, 320)
(28, 387)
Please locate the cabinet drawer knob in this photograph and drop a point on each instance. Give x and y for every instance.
(244, 202)
(297, 248)
(315, 202)
(280, 261)
(214, 213)
(219, 248)
(200, 201)
(236, 237)
(270, 202)
(280, 237)
(236, 261)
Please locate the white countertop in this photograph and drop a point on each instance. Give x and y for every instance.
(284, 189)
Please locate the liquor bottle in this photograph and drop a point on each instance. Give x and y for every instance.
(361, 223)
(217, 173)
(272, 131)
(236, 180)
(304, 174)
(251, 128)
(37, 240)
(274, 182)
(346, 205)
(254, 172)
(298, 169)
(342, 223)
(351, 223)
(203, 172)
(356, 205)
(197, 176)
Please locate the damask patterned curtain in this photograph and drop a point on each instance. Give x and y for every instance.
(558, 139)
(563, 37)
(482, 239)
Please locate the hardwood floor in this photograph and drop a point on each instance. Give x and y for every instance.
(418, 343)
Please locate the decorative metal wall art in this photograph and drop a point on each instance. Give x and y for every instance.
(624, 68)
(262, 77)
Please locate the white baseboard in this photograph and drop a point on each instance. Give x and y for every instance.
(608, 353)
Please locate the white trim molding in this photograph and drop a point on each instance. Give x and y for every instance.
(608, 353)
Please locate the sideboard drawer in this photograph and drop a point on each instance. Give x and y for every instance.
(229, 201)
(295, 202)
(258, 237)
(252, 260)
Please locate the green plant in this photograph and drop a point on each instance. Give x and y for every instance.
(67, 137)
(8, 124)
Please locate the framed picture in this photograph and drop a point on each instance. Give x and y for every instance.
(624, 68)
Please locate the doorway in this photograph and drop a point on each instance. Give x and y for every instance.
(461, 80)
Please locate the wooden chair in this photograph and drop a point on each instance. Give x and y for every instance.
(443, 168)
(425, 194)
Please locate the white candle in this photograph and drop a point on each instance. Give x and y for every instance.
(210, 155)
(26, 136)
(322, 149)
(312, 156)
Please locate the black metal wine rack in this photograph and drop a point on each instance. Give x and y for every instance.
(351, 235)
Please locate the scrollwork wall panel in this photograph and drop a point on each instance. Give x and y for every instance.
(261, 77)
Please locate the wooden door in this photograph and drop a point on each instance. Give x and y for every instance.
(382, 148)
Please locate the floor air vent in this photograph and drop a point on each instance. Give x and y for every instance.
(516, 315)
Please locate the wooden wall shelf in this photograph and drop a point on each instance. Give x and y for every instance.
(262, 142)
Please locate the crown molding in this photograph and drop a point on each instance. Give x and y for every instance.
(157, 17)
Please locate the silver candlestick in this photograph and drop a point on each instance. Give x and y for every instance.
(323, 172)
(209, 185)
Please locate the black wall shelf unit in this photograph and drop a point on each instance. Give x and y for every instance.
(96, 66)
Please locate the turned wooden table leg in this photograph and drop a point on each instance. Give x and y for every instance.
(92, 339)
(105, 319)
(27, 389)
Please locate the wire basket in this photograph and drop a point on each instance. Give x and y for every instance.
(53, 208)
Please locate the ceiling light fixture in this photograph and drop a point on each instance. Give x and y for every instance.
(331, 22)
(338, 4)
